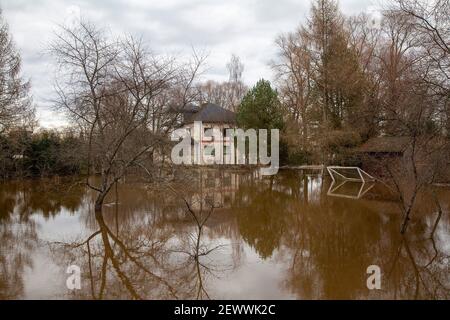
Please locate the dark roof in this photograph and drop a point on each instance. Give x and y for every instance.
(385, 145)
(188, 108)
(212, 113)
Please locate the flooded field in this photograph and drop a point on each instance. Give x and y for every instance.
(226, 235)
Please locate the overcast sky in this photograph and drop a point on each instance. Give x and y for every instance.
(247, 28)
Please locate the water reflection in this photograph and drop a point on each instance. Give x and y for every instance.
(349, 189)
(18, 230)
(224, 234)
(17, 238)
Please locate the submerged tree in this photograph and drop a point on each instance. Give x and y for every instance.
(115, 91)
(414, 78)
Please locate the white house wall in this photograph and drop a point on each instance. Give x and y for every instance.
(201, 141)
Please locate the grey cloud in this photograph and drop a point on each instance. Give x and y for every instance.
(246, 27)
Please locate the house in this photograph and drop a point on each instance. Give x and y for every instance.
(376, 151)
(385, 146)
(431, 158)
(215, 120)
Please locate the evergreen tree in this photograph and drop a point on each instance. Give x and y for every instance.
(260, 108)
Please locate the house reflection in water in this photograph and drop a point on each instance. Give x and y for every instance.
(276, 237)
(224, 188)
(220, 187)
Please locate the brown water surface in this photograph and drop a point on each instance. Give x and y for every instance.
(237, 236)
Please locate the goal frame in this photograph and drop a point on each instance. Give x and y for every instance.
(334, 173)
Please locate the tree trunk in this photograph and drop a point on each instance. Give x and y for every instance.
(99, 202)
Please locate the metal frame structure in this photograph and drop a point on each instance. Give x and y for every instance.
(363, 176)
(365, 187)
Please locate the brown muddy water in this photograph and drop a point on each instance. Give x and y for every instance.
(244, 237)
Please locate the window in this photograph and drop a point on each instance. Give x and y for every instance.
(208, 134)
(209, 151)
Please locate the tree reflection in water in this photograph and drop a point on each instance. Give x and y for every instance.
(19, 200)
(197, 251)
(147, 259)
(17, 237)
(331, 242)
(225, 228)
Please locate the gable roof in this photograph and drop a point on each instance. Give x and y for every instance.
(385, 145)
(212, 113)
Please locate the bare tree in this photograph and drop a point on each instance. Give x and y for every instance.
(295, 79)
(237, 87)
(365, 39)
(15, 102)
(216, 92)
(410, 108)
(323, 73)
(115, 91)
(227, 94)
(430, 24)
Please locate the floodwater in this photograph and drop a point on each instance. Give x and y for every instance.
(225, 235)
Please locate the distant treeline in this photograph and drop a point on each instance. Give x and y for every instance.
(27, 154)
(339, 81)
